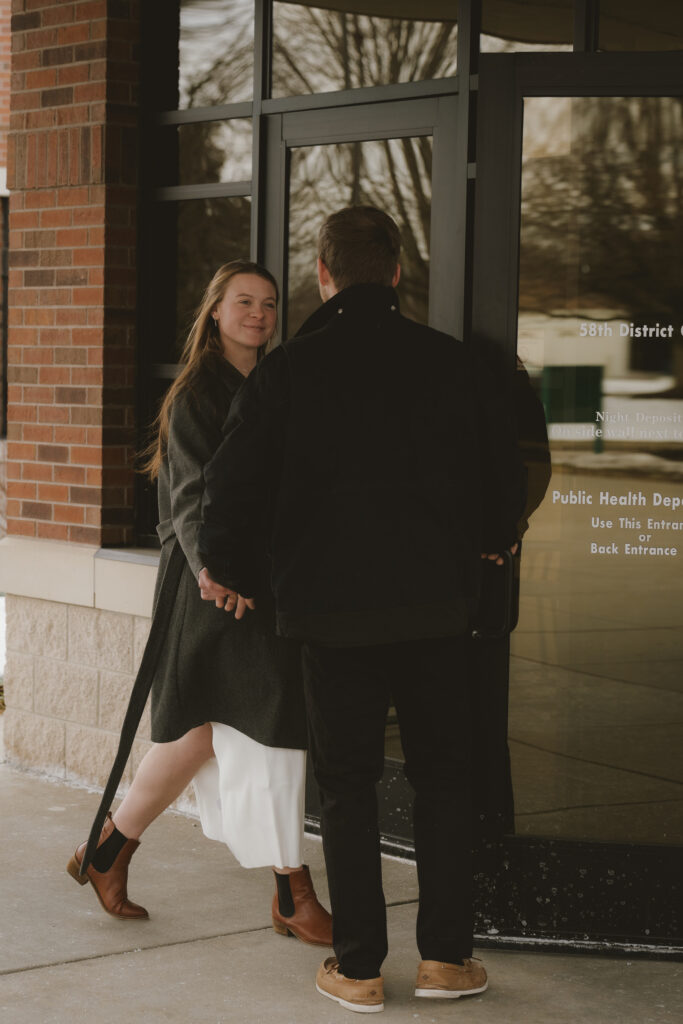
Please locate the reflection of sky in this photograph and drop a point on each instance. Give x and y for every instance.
(494, 44)
(208, 29)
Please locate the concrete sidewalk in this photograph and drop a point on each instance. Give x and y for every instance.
(209, 953)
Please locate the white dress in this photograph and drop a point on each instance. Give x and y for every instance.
(251, 797)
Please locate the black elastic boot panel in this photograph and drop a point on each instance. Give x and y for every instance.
(284, 895)
(106, 854)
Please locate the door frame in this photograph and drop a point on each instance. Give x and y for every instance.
(436, 116)
(540, 890)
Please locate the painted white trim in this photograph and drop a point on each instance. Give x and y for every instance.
(4, 191)
(80, 574)
(124, 586)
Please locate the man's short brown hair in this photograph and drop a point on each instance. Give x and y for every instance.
(360, 245)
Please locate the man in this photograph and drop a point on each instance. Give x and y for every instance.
(361, 457)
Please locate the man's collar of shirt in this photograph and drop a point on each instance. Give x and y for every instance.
(357, 300)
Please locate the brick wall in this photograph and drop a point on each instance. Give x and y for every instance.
(72, 169)
(3, 329)
(5, 10)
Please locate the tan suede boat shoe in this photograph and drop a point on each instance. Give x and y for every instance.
(436, 980)
(366, 996)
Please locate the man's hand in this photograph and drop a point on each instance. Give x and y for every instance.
(223, 597)
(498, 559)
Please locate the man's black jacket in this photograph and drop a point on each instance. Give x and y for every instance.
(368, 466)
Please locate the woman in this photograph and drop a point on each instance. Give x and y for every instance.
(227, 704)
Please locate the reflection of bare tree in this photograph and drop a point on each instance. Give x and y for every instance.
(216, 52)
(394, 174)
(315, 50)
(603, 222)
(213, 151)
(210, 232)
(193, 237)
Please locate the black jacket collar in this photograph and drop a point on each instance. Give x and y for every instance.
(228, 374)
(358, 300)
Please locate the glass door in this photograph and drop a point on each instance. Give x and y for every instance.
(393, 174)
(394, 156)
(592, 300)
(598, 654)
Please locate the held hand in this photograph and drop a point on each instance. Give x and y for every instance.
(498, 559)
(225, 598)
(234, 602)
(210, 590)
(242, 604)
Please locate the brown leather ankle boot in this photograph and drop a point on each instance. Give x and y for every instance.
(310, 922)
(110, 885)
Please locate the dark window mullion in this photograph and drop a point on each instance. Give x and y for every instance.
(165, 371)
(195, 114)
(464, 172)
(213, 190)
(263, 36)
(586, 25)
(371, 94)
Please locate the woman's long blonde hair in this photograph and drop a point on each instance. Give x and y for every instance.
(203, 343)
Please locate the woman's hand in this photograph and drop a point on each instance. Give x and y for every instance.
(223, 597)
(498, 559)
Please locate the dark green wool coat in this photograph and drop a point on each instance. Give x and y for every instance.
(212, 667)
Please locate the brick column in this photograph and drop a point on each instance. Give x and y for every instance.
(5, 10)
(73, 180)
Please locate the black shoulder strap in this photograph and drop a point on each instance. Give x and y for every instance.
(139, 693)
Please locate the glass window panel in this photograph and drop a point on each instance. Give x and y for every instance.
(327, 48)
(634, 25)
(194, 154)
(188, 241)
(185, 243)
(392, 737)
(596, 687)
(393, 174)
(516, 26)
(215, 52)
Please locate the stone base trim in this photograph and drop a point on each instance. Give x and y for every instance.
(68, 676)
(118, 580)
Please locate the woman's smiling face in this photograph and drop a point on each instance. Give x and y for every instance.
(246, 317)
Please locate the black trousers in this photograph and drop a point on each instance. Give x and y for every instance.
(348, 692)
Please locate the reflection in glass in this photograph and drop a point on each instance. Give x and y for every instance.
(184, 244)
(392, 737)
(634, 25)
(517, 26)
(596, 688)
(393, 174)
(215, 52)
(189, 241)
(317, 50)
(210, 151)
